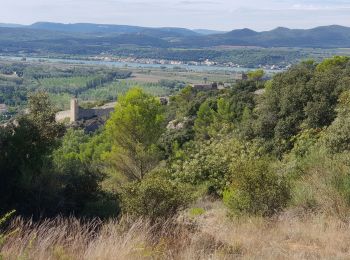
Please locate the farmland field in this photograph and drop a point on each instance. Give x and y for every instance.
(96, 83)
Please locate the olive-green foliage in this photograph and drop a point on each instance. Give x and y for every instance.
(282, 106)
(195, 212)
(321, 181)
(43, 174)
(205, 117)
(25, 148)
(318, 167)
(304, 141)
(256, 189)
(186, 103)
(341, 177)
(242, 95)
(70, 147)
(304, 96)
(80, 180)
(134, 129)
(173, 139)
(213, 117)
(336, 61)
(222, 112)
(256, 75)
(79, 176)
(42, 115)
(154, 197)
(182, 111)
(208, 162)
(337, 135)
(96, 149)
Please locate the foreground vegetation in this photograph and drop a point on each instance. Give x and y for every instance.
(209, 236)
(257, 170)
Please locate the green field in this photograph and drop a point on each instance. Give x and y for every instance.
(91, 82)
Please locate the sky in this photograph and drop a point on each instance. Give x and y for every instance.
(194, 14)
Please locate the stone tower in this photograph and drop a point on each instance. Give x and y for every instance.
(74, 110)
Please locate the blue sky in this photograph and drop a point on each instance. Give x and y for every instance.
(210, 14)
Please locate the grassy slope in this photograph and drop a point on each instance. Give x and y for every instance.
(208, 236)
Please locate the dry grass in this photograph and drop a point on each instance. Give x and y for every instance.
(208, 236)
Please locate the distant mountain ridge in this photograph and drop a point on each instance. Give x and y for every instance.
(207, 32)
(82, 34)
(11, 25)
(113, 29)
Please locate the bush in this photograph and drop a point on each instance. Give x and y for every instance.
(154, 197)
(78, 176)
(103, 206)
(337, 137)
(256, 189)
(208, 163)
(323, 183)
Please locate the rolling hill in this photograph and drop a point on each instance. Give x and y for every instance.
(95, 38)
(113, 29)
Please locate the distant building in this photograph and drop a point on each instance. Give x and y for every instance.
(77, 113)
(205, 87)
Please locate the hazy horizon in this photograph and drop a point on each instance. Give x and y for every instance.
(195, 14)
(137, 25)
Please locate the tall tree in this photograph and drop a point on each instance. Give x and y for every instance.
(134, 129)
(24, 150)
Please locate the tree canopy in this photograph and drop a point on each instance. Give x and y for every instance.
(134, 128)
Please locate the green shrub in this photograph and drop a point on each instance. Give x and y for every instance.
(103, 206)
(208, 163)
(335, 176)
(195, 212)
(154, 197)
(320, 181)
(303, 195)
(256, 189)
(323, 183)
(337, 137)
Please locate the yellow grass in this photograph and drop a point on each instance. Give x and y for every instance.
(209, 236)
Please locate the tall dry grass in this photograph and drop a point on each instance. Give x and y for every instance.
(208, 236)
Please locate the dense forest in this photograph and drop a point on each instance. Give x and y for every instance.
(262, 149)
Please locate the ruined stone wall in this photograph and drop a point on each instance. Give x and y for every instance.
(77, 113)
(61, 116)
(94, 112)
